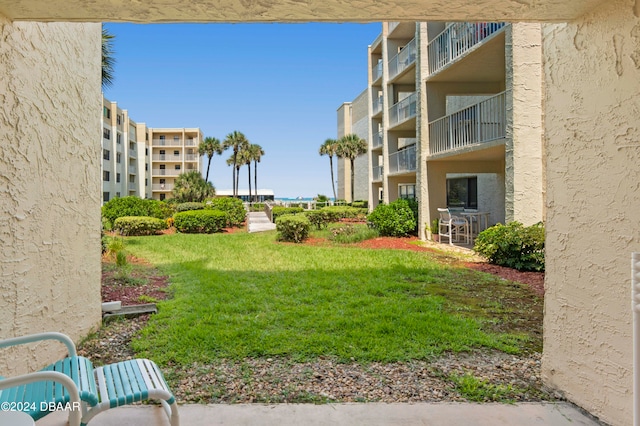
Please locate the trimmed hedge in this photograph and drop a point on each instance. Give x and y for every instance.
(335, 213)
(138, 225)
(135, 206)
(293, 228)
(279, 211)
(360, 204)
(200, 221)
(513, 245)
(183, 207)
(393, 220)
(318, 218)
(233, 207)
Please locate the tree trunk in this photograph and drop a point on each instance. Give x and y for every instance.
(249, 167)
(255, 179)
(353, 175)
(237, 181)
(208, 166)
(333, 183)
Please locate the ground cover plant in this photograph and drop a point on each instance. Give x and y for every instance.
(255, 298)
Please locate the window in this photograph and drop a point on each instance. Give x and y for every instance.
(162, 197)
(105, 176)
(408, 192)
(463, 192)
(106, 133)
(162, 137)
(105, 197)
(146, 167)
(162, 152)
(163, 166)
(118, 157)
(117, 195)
(176, 153)
(119, 119)
(118, 138)
(146, 137)
(117, 177)
(146, 152)
(177, 167)
(106, 154)
(176, 139)
(132, 178)
(106, 112)
(146, 182)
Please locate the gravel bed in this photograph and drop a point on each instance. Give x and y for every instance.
(275, 380)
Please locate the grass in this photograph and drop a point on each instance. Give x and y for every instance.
(244, 295)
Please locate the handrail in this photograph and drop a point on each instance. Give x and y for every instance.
(401, 61)
(403, 110)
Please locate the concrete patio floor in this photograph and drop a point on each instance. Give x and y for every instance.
(372, 414)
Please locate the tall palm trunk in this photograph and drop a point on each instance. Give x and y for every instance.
(237, 179)
(333, 182)
(255, 179)
(235, 172)
(353, 175)
(249, 167)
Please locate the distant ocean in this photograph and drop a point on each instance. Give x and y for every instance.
(293, 200)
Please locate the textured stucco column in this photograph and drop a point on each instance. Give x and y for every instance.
(592, 78)
(49, 184)
(524, 185)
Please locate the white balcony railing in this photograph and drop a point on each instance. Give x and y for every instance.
(478, 123)
(166, 142)
(133, 169)
(376, 72)
(403, 110)
(133, 186)
(378, 171)
(403, 161)
(456, 39)
(377, 140)
(403, 59)
(377, 105)
(162, 187)
(133, 153)
(393, 26)
(191, 157)
(166, 157)
(166, 172)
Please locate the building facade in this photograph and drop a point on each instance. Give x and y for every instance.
(142, 161)
(455, 119)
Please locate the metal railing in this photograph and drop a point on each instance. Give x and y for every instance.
(393, 26)
(456, 39)
(166, 172)
(191, 157)
(378, 172)
(166, 157)
(403, 59)
(133, 153)
(162, 187)
(166, 142)
(376, 72)
(478, 123)
(133, 169)
(403, 160)
(377, 104)
(403, 110)
(377, 140)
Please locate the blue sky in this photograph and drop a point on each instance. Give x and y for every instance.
(279, 84)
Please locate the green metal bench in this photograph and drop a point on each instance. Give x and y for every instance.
(75, 385)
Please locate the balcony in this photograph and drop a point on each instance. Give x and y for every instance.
(166, 142)
(403, 110)
(403, 161)
(378, 171)
(456, 40)
(190, 142)
(191, 157)
(133, 170)
(133, 153)
(133, 186)
(393, 26)
(403, 59)
(479, 123)
(376, 72)
(377, 140)
(166, 157)
(166, 172)
(377, 105)
(162, 187)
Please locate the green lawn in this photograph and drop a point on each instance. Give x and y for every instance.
(245, 295)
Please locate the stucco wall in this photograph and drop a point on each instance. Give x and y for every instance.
(592, 78)
(50, 184)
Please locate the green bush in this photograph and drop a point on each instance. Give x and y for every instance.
(233, 207)
(278, 211)
(293, 228)
(134, 206)
(318, 218)
(200, 221)
(335, 213)
(348, 233)
(257, 207)
(138, 225)
(393, 220)
(183, 207)
(513, 245)
(361, 204)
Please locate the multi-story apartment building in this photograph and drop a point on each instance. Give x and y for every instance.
(173, 152)
(455, 119)
(141, 161)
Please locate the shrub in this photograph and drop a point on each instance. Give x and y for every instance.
(134, 206)
(393, 220)
(233, 207)
(348, 233)
(318, 218)
(513, 245)
(361, 204)
(138, 225)
(293, 228)
(335, 213)
(200, 221)
(183, 207)
(257, 207)
(280, 211)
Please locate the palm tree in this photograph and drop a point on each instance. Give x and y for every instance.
(191, 187)
(351, 146)
(209, 147)
(236, 162)
(235, 140)
(256, 155)
(246, 159)
(329, 147)
(108, 61)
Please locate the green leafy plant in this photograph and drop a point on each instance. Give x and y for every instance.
(393, 220)
(134, 206)
(293, 228)
(183, 207)
(348, 233)
(257, 207)
(318, 218)
(200, 221)
(139, 225)
(513, 245)
(278, 211)
(480, 390)
(336, 213)
(233, 207)
(361, 204)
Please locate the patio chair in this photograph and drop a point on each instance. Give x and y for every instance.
(75, 380)
(451, 227)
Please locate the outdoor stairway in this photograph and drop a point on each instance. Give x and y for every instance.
(258, 222)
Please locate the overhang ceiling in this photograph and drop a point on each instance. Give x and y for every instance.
(294, 10)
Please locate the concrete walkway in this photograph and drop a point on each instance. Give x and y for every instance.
(372, 414)
(258, 222)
